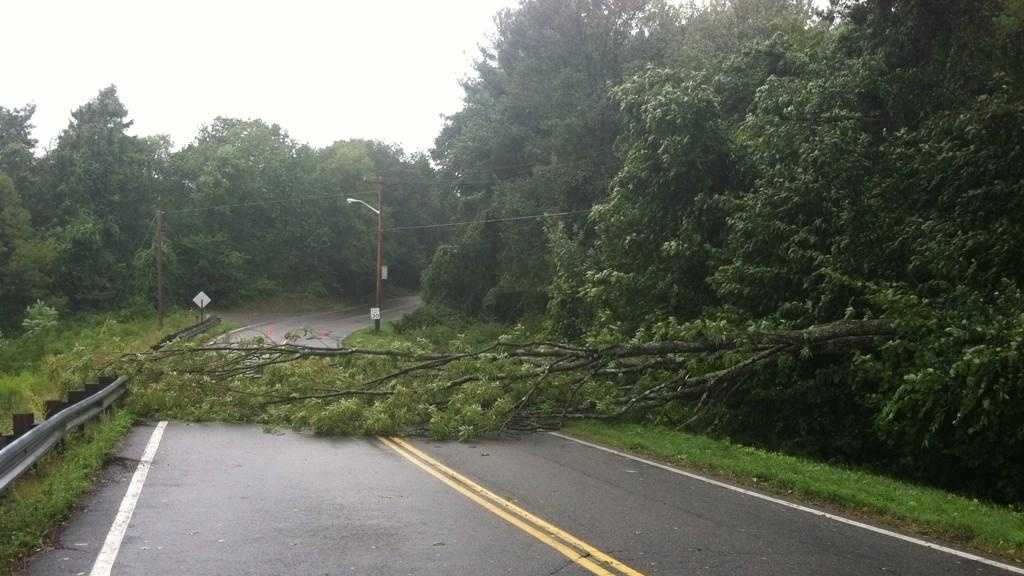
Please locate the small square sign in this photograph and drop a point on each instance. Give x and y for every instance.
(374, 313)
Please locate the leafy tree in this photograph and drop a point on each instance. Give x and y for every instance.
(247, 247)
(17, 144)
(538, 129)
(257, 214)
(96, 197)
(657, 232)
(447, 282)
(25, 262)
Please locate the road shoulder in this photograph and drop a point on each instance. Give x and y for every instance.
(761, 474)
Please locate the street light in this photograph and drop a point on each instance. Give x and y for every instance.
(357, 201)
(380, 250)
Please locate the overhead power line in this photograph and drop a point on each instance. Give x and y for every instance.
(509, 219)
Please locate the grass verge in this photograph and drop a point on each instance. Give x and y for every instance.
(37, 503)
(439, 330)
(986, 527)
(43, 366)
(386, 339)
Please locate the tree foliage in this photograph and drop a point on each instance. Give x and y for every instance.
(537, 134)
(25, 261)
(767, 165)
(248, 212)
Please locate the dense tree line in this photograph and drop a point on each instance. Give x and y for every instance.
(249, 212)
(768, 165)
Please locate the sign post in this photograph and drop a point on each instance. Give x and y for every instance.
(201, 300)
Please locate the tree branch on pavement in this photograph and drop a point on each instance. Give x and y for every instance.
(542, 379)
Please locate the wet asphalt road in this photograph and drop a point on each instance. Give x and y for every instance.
(237, 500)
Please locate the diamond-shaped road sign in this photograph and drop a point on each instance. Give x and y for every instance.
(201, 299)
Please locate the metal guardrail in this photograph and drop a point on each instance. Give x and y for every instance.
(32, 441)
(187, 332)
(27, 449)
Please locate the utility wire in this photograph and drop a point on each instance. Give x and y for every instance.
(510, 219)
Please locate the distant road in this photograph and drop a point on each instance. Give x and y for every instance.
(320, 328)
(222, 499)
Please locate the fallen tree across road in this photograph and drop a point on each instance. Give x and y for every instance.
(506, 384)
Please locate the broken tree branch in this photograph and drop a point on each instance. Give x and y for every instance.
(542, 378)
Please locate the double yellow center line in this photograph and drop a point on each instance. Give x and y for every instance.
(583, 554)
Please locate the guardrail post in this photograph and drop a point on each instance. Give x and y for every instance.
(22, 423)
(75, 396)
(106, 379)
(54, 406)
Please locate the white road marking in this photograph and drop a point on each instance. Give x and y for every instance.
(816, 512)
(105, 561)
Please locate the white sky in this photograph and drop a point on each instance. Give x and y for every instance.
(323, 70)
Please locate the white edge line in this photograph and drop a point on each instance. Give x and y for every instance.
(781, 502)
(112, 545)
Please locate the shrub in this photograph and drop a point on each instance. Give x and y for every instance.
(39, 317)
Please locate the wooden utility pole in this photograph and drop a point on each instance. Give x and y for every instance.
(160, 267)
(380, 253)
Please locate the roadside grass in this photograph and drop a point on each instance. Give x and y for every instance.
(43, 366)
(441, 328)
(397, 335)
(367, 337)
(930, 511)
(38, 502)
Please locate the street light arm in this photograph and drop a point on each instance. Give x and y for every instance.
(356, 200)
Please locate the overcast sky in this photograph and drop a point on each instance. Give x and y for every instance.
(323, 70)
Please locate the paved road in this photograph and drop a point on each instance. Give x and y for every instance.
(236, 500)
(320, 328)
